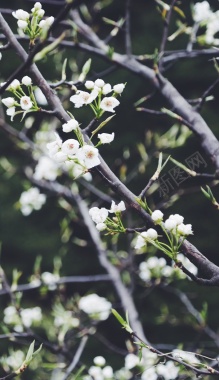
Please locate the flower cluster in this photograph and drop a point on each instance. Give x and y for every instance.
(26, 103)
(96, 96)
(32, 23)
(103, 222)
(31, 200)
(96, 307)
(203, 15)
(174, 228)
(156, 268)
(26, 317)
(82, 158)
(99, 371)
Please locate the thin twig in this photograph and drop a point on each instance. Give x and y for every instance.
(76, 357)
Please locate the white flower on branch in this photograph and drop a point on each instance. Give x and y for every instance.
(99, 83)
(20, 14)
(26, 103)
(109, 103)
(11, 112)
(88, 156)
(141, 240)
(96, 307)
(201, 11)
(15, 84)
(31, 200)
(117, 208)
(107, 88)
(118, 88)
(184, 229)
(89, 84)
(101, 226)
(98, 215)
(168, 370)
(99, 360)
(83, 98)
(31, 315)
(60, 157)
(177, 218)
(45, 24)
(8, 102)
(27, 81)
(37, 7)
(106, 138)
(46, 169)
(157, 216)
(70, 147)
(131, 361)
(70, 126)
(22, 24)
(54, 146)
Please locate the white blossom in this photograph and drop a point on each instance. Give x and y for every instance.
(96, 307)
(170, 224)
(60, 157)
(88, 156)
(54, 146)
(70, 146)
(45, 24)
(40, 13)
(177, 218)
(11, 112)
(14, 85)
(46, 169)
(188, 357)
(50, 279)
(131, 361)
(26, 103)
(106, 138)
(20, 14)
(185, 229)
(168, 370)
(99, 360)
(101, 226)
(141, 240)
(40, 97)
(118, 88)
(99, 83)
(107, 372)
(157, 216)
(83, 98)
(98, 215)
(201, 11)
(149, 374)
(109, 103)
(152, 234)
(70, 126)
(22, 24)
(117, 208)
(31, 200)
(27, 81)
(8, 102)
(15, 360)
(107, 88)
(144, 272)
(89, 84)
(31, 315)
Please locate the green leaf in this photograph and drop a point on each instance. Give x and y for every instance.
(85, 70)
(102, 125)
